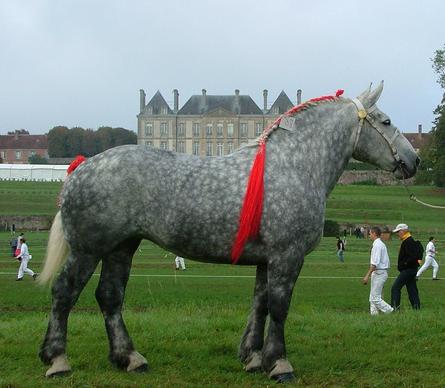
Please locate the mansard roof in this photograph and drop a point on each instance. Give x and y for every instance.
(282, 103)
(155, 105)
(202, 104)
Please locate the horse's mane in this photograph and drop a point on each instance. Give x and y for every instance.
(313, 102)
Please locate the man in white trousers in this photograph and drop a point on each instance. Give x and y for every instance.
(430, 259)
(179, 263)
(24, 258)
(378, 271)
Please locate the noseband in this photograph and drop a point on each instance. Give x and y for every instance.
(363, 115)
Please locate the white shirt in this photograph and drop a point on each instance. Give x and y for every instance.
(24, 253)
(430, 250)
(379, 255)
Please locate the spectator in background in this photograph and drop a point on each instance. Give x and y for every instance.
(19, 244)
(180, 263)
(340, 250)
(378, 271)
(13, 245)
(24, 258)
(430, 259)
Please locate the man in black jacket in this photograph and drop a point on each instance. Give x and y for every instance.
(407, 265)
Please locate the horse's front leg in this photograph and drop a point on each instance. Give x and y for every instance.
(282, 274)
(253, 338)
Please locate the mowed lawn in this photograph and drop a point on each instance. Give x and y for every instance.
(188, 324)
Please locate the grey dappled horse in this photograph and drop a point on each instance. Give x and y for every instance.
(190, 206)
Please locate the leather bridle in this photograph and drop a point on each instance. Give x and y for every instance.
(363, 115)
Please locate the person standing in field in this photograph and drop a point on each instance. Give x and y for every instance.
(430, 259)
(408, 263)
(378, 271)
(340, 250)
(180, 263)
(24, 258)
(19, 244)
(13, 244)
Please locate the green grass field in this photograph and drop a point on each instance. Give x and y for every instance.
(188, 324)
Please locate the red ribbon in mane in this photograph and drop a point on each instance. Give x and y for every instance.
(75, 163)
(252, 209)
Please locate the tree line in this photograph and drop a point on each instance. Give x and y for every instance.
(432, 168)
(64, 142)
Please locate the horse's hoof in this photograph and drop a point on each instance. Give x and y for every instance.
(141, 369)
(137, 363)
(59, 367)
(254, 364)
(284, 378)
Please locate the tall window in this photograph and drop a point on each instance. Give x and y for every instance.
(181, 146)
(209, 149)
(196, 148)
(209, 130)
(163, 145)
(229, 147)
(243, 129)
(164, 129)
(195, 129)
(164, 110)
(149, 143)
(148, 129)
(230, 130)
(181, 129)
(219, 130)
(219, 149)
(18, 155)
(258, 129)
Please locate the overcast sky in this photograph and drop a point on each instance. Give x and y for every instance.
(82, 62)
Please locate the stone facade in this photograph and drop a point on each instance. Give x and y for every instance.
(206, 125)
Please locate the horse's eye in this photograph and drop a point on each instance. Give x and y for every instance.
(387, 122)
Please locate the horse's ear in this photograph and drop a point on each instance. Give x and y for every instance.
(371, 98)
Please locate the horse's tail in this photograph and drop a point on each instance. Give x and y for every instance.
(56, 251)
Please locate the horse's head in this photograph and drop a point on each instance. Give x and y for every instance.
(378, 141)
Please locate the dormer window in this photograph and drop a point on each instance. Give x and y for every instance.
(163, 110)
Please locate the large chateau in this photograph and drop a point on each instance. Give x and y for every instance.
(206, 125)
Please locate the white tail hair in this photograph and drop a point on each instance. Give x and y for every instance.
(56, 251)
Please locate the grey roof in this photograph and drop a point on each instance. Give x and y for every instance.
(283, 103)
(241, 104)
(156, 103)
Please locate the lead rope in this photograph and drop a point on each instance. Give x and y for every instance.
(413, 197)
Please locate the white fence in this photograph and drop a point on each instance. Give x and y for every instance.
(33, 172)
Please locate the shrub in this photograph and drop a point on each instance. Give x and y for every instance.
(331, 228)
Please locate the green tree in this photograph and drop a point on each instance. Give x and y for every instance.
(437, 151)
(57, 142)
(37, 159)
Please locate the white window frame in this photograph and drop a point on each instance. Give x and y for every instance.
(196, 148)
(181, 129)
(196, 130)
(149, 129)
(219, 130)
(219, 149)
(209, 130)
(18, 155)
(243, 130)
(209, 149)
(163, 145)
(230, 130)
(181, 147)
(229, 147)
(258, 129)
(164, 128)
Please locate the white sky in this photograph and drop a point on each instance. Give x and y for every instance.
(82, 62)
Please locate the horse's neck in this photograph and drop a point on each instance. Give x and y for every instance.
(321, 144)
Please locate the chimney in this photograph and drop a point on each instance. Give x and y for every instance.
(298, 96)
(419, 130)
(176, 100)
(204, 97)
(141, 100)
(265, 100)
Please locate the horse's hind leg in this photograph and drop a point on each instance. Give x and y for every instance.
(110, 295)
(253, 338)
(65, 292)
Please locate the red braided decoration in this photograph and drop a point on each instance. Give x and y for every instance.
(252, 209)
(75, 163)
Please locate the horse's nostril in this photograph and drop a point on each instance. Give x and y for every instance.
(417, 161)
